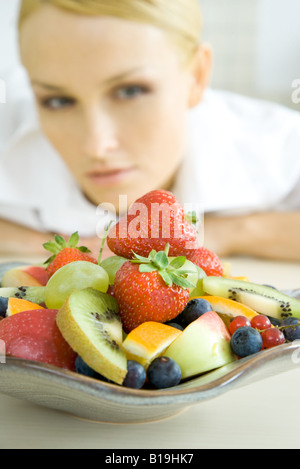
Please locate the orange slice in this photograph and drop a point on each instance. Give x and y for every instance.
(148, 341)
(18, 305)
(246, 279)
(228, 309)
(226, 268)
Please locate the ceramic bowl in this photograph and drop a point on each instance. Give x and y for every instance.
(96, 400)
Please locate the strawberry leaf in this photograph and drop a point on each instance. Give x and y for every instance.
(152, 255)
(48, 261)
(51, 246)
(60, 241)
(161, 260)
(178, 262)
(59, 244)
(181, 281)
(186, 272)
(147, 268)
(83, 249)
(74, 240)
(169, 271)
(166, 277)
(140, 259)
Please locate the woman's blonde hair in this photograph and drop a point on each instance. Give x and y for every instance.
(181, 19)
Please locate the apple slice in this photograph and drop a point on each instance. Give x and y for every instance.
(203, 346)
(25, 276)
(34, 335)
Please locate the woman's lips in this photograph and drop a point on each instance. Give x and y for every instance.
(110, 177)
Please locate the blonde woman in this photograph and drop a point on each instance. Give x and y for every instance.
(112, 99)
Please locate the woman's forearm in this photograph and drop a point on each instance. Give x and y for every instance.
(18, 240)
(267, 235)
(271, 235)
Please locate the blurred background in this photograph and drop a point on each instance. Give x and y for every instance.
(256, 45)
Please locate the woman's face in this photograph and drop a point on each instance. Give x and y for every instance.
(112, 98)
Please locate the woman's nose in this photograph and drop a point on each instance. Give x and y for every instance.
(100, 139)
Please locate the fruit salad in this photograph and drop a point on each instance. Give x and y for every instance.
(161, 309)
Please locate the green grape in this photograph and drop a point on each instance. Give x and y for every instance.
(112, 264)
(72, 277)
(198, 291)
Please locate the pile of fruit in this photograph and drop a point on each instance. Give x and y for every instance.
(161, 309)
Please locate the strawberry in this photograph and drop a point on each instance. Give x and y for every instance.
(207, 260)
(65, 252)
(151, 289)
(152, 221)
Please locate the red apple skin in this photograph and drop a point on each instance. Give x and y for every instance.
(39, 273)
(34, 335)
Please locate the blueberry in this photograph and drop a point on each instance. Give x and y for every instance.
(83, 369)
(193, 310)
(136, 375)
(174, 324)
(274, 321)
(164, 372)
(245, 341)
(3, 306)
(291, 333)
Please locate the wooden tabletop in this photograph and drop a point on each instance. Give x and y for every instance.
(264, 414)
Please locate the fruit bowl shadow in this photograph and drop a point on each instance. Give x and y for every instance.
(96, 400)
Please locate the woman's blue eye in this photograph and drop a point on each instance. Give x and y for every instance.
(57, 103)
(130, 92)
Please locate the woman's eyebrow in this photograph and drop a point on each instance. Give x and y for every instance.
(48, 86)
(124, 75)
(109, 81)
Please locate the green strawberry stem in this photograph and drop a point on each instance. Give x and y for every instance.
(282, 328)
(168, 270)
(192, 218)
(103, 241)
(60, 243)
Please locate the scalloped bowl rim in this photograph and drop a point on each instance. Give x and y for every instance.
(185, 393)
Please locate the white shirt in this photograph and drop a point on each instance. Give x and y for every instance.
(242, 155)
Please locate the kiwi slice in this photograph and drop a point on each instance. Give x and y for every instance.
(263, 299)
(33, 294)
(90, 323)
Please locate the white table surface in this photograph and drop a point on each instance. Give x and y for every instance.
(265, 414)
